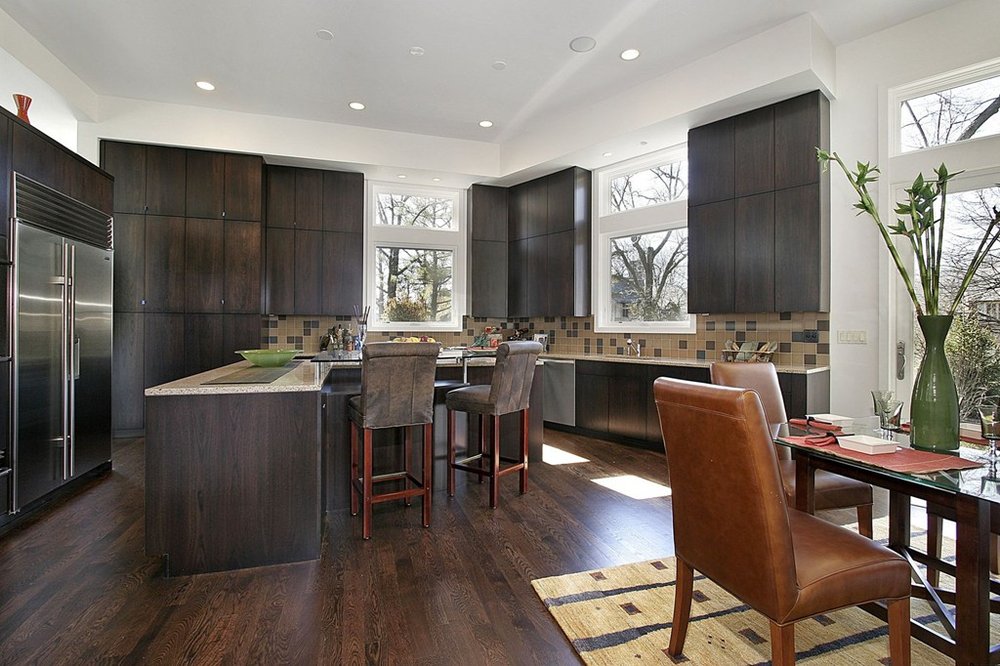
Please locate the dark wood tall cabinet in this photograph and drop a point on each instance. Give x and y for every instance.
(758, 210)
(549, 246)
(488, 219)
(188, 266)
(314, 241)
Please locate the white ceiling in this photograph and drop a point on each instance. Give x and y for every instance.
(264, 57)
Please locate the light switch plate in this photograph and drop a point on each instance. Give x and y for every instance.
(852, 337)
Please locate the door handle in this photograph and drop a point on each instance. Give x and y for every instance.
(900, 360)
(76, 358)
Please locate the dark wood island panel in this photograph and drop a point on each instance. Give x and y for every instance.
(233, 479)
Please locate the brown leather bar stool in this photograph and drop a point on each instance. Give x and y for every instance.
(509, 392)
(832, 491)
(397, 391)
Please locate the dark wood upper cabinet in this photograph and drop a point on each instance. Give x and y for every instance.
(279, 281)
(165, 180)
(711, 261)
(754, 253)
(239, 331)
(308, 269)
(242, 266)
(164, 348)
(342, 279)
(205, 184)
(711, 165)
(776, 256)
(204, 265)
(801, 244)
(243, 187)
(127, 163)
(801, 124)
(34, 156)
(343, 202)
(561, 201)
(309, 199)
(552, 214)
(4, 168)
(165, 248)
(127, 363)
(754, 151)
(518, 212)
(280, 197)
(488, 213)
(130, 262)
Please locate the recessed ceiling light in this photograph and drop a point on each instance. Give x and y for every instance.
(643, 143)
(324, 34)
(357, 106)
(498, 65)
(402, 175)
(582, 44)
(436, 180)
(205, 85)
(486, 123)
(630, 54)
(416, 51)
(608, 154)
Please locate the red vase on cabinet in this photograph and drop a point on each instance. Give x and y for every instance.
(23, 102)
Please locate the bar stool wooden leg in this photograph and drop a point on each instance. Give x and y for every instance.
(495, 464)
(524, 451)
(407, 457)
(428, 468)
(482, 445)
(354, 469)
(451, 453)
(366, 508)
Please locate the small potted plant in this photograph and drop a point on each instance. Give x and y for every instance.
(920, 220)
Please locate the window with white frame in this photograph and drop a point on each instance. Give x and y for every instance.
(416, 257)
(944, 110)
(641, 240)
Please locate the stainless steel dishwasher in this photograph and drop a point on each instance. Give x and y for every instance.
(559, 404)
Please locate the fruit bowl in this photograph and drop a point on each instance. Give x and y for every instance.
(269, 358)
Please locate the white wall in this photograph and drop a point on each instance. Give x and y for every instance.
(951, 38)
(49, 111)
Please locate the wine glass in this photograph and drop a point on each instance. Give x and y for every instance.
(889, 411)
(989, 424)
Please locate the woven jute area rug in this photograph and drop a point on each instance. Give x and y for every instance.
(622, 615)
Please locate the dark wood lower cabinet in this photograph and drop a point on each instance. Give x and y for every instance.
(614, 399)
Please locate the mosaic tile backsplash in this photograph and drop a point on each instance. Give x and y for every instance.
(575, 335)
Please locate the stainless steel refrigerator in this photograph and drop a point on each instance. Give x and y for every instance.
(61, 352)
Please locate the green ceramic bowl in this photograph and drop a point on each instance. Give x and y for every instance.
(269, 358)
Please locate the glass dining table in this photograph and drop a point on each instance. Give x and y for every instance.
(970, 497)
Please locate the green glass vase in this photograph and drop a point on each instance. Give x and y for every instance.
(934, 407)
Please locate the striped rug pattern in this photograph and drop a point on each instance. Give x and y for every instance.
(621, 615)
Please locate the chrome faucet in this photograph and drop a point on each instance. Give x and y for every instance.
(637, 348)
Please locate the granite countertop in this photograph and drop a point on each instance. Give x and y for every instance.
(303, 376)
(680, 362)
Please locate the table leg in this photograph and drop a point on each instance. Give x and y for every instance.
(805, 481)
(972, 603)
(899, 520)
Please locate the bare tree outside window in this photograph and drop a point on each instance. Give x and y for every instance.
(409, 210)
(951, 115)
(413, 284)
(649, 276)
(656, 185)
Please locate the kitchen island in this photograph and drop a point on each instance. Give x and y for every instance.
(233, 470)
(240, 475)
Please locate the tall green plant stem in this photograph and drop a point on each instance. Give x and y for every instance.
(868, 206)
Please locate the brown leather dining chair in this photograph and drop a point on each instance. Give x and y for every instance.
(397, 391)
(731, 523)
(832, 491)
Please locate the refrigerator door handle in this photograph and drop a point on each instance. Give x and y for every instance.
(72, 349)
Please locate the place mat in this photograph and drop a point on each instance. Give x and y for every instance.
(252, 376)
(623, 615)
(906, 461)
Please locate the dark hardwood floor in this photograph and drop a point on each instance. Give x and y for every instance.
(76, 587)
